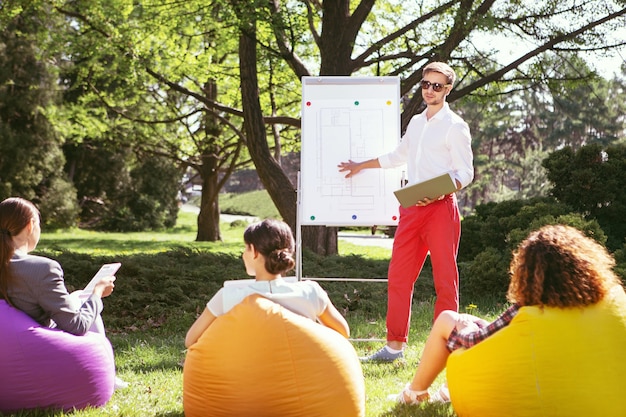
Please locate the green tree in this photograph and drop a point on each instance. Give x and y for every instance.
(158, 77)
(512, 135)
(154, 48)
(31, 159)
(393, 38)
(590, 180)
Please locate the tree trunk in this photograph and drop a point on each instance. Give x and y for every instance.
(209, 216)
(320, 240)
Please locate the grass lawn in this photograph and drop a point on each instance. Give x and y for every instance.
(165, 281)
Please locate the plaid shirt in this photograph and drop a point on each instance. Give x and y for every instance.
(458, 340)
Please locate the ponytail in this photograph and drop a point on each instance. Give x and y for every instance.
(15, 214)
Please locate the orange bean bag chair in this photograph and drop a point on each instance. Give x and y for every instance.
(260, 359)
(549, 363)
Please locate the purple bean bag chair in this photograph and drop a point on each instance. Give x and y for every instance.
(47, 368)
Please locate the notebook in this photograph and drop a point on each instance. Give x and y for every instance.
(432, 188)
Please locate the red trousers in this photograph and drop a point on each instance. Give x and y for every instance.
(434, 229)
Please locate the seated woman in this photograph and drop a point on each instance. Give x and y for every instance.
(35, 285)
(268, 254)
(555, 266)
(257, 348)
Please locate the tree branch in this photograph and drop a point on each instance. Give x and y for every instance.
(286, 52)
(496, 75)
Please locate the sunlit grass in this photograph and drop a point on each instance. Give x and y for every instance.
(106, 243)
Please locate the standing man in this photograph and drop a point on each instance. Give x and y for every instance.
(436, 141)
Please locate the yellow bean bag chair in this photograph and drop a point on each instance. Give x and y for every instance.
(549, 363)
(260, 359)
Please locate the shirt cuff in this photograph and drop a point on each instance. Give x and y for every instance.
(384, 161)
(451, 343)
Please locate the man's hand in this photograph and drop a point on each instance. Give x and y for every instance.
(352, 167)
(426, 201)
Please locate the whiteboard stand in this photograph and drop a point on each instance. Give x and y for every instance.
(356, 118)
(348, 118)
(299, 249)
(299, 263)
(298, 233)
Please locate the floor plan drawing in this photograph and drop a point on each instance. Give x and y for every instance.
(358, 120)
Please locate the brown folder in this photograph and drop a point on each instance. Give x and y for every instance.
(432, 188)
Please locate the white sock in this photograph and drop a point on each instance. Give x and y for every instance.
(392, 350)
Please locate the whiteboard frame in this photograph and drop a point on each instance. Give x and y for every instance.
(353, 207)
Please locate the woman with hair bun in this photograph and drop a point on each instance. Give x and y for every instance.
(269, 253)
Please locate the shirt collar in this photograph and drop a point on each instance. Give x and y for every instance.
(440, 114)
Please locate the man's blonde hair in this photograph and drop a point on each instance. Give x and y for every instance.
(440, 67)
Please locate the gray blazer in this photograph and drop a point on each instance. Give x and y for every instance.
(38, 289)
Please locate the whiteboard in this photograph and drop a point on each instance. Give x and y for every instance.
(344, 118)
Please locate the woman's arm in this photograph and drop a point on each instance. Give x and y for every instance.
(198, 327)
(68, 312)
(460, 338)
(332, 318)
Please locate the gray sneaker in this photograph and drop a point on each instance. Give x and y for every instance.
(382, 355)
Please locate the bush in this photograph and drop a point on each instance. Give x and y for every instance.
(496, 231)
(590, 180)
(492, 223)
(149, 201)
(487, 275)
(58, 205)
(237, 224)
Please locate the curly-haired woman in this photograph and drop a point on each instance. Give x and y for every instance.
(555, 266)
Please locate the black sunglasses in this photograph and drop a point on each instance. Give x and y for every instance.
(436, 86)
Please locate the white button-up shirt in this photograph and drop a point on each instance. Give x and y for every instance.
(434, 147)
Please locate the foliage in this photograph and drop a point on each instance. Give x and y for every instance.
(486, 275)
(152, 86)
(489, 238)
(58, 205)
(31, 160)
(254, 203)
(514, 133)
(491, 223)
(165, 77)
(150, 202)
(120, 191)
(149, 78)
(620, 259)
(590, 180)
(570, 121)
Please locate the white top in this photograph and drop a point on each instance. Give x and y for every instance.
(306, 298)
(434, 147)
